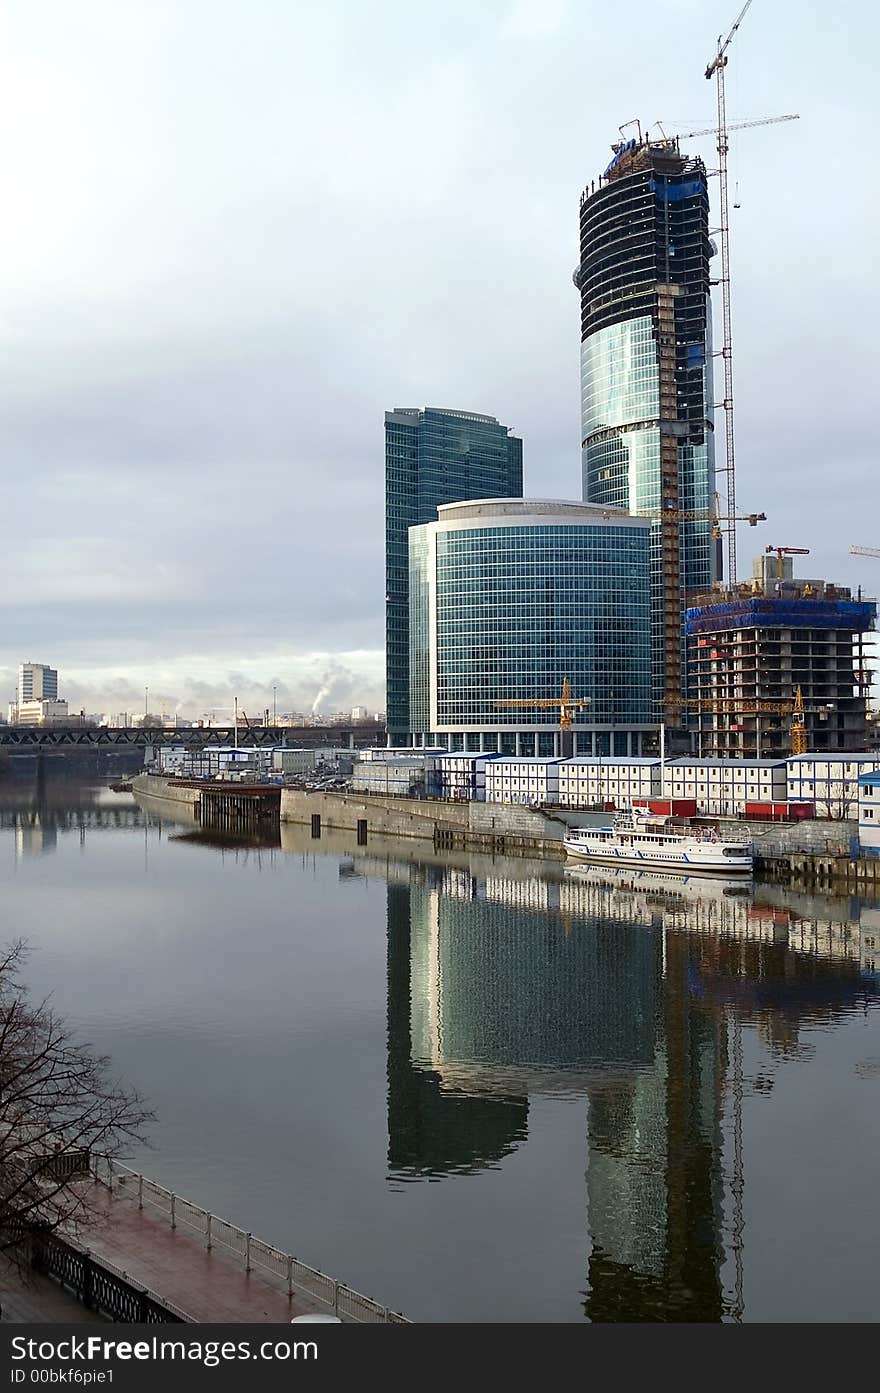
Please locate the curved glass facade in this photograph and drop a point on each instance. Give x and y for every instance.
(510, 609)
(646, 371)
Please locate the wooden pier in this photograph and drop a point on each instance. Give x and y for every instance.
(226, 805)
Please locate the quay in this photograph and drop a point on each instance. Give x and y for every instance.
(150, 1256)
(217, 804)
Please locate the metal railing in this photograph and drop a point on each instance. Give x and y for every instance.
(102, 1286)
(254, 1253)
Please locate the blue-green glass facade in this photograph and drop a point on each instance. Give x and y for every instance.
(432, 457)
(511, 608)
(646, 370)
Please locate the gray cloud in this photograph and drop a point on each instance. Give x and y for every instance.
(240, 232)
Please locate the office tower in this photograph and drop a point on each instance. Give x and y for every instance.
(646, 372)
(511, 597)
(762, 644)
(37, 682)
(432, 457)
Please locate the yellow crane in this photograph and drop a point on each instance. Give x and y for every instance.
(785, 551)
(703, 514)
(798, 726)
(565, 703)
(754, 706)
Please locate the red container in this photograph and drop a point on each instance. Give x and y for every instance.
(759, 812)
(802, 810)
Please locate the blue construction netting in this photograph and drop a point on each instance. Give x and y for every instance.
(856, 615)
(674, 193)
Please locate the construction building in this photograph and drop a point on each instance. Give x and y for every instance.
(646, 373)
(432, 457)
(752, 651)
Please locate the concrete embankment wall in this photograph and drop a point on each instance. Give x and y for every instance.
(497, 827)
(153, 786)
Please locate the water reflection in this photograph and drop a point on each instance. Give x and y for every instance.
(631, 989)
(646, 1012)
(42, 811)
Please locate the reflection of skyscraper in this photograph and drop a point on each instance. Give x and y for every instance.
(506, 993)
(34, 835)
(430, 1131)
(631, 991)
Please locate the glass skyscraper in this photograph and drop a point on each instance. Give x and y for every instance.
(432, 457)
(646, 372)
(508, 598)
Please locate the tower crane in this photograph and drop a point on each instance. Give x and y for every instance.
(737, 126)
(754, 706)
(715, 68)
(565, 703)
(785, 551)
(700, 514)
(864, 551)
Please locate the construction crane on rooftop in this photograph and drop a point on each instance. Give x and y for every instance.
(735, 126)
(781, 552)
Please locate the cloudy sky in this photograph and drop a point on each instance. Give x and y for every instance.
(234, 232)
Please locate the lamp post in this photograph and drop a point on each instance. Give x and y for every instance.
(146, 705)
(274, 706)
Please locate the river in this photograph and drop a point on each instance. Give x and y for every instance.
(476, 1089)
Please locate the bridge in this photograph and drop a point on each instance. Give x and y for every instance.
(60, 737)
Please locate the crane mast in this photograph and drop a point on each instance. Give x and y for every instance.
(716, 70)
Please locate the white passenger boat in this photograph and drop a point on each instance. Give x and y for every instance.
(654, 842)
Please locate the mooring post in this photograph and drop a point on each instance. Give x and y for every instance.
(173, 1215)
(208, 1232)
(247, 1258)
(140, 1192)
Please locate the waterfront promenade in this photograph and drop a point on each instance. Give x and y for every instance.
(205, 1286)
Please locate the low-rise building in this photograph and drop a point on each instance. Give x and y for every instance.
(830, 781)
(37, 713)
(522, 780)
(869, 814)
(402, 777)
(592, 783)
(723, 787)
(461, 776)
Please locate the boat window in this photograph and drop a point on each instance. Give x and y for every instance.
(734, 851)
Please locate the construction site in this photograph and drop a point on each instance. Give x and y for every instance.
(779, 665)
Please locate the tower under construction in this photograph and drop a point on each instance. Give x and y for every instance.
(753, 650)
(646, 372)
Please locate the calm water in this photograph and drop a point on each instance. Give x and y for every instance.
(477, 1089)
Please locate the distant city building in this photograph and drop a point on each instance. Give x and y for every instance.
(765, 642)
(37, 682)
(511, 597)
(432, 457)
(646, 371)
(37, 713)
(359, 713)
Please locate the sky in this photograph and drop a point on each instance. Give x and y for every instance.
(235, 232)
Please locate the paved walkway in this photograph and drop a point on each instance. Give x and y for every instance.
(39, 1300)
(207, 1286)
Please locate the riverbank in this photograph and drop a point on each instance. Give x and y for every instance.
(816, 853)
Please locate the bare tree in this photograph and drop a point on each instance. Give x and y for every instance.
(59, 1106)
(840, 801)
